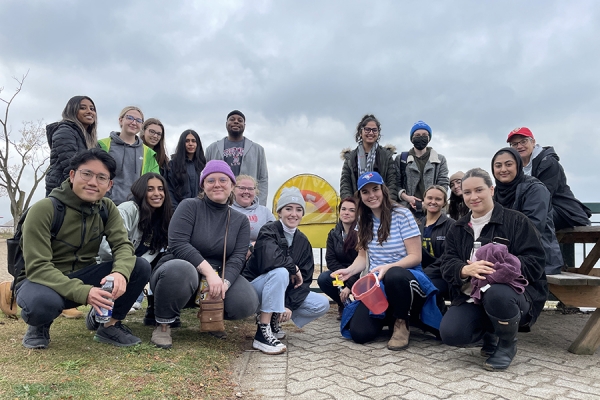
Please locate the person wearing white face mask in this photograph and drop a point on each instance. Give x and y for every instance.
(420, 167)
(281, 270)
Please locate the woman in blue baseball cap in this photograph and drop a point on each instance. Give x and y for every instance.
(389, 237)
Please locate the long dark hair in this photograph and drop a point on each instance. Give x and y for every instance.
(457, 207)
(179, 160)
(154, 222)
(70, 114)
(352, 236)
(161, 152)
(365, 220)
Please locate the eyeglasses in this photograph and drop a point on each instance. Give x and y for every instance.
(87, 176)
(152, 132)
(246, 189)
(132, 119)
(211, 181)
(369, 130)
(521, 142)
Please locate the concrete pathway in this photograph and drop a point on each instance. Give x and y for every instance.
(320, 364)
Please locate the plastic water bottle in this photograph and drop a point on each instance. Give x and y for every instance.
(476, 246)
(106, 314)
(340, 285)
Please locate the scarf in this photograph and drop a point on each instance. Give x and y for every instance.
(505, 192)
(369, 158)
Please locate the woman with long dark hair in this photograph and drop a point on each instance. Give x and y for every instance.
(146, 217)
(527, 194)
(456, 205)
(153, 136)
(185, 168)
(389, 236)
(369, 155)
(75, 132)
(502, 308)
(341, 252)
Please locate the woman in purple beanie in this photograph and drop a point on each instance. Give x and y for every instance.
(196, 242)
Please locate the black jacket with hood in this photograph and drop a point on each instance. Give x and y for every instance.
(336, 257)
(65, 139)
(431, 265)
(384, 165)
(271, 251)
(546, 168)
(524, 243)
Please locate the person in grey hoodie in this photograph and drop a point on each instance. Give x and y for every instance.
(246, 202)
(133, 157)
(242, 154)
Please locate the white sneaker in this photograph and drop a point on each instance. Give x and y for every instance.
(266, 342)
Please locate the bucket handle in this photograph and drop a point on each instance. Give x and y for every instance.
(376, 278)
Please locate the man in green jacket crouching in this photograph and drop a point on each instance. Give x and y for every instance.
(62, 273)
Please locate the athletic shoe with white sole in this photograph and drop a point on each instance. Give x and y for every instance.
(266, 342)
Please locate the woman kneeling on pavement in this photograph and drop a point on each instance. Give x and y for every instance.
(497, 311)
(341, 252)
(389, 236)
(196, 243)
(281, 270)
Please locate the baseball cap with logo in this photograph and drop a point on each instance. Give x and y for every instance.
(369, 177)
(523, 131)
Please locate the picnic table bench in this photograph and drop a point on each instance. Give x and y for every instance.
(580, 287)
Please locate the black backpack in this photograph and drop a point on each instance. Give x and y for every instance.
(16, 262)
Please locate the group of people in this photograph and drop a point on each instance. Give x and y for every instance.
(486, 250)
(197, 221)
(193, 224)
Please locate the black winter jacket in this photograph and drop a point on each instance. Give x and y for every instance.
(271, 251)
(384, 165)
(65, 139)
(533, 199)
(431, 265)
(336, 258)
(524, 243)
(546, 168)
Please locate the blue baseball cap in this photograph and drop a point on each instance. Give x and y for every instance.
(369, 177)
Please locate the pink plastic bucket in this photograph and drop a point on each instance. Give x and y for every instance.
(367, 290)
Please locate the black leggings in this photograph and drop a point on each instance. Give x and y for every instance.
(468, 322)
(405, 302)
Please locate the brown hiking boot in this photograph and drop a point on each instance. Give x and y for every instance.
(7, 307)
(71, 313)
(399, 339)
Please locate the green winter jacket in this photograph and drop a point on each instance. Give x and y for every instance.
(48, 262)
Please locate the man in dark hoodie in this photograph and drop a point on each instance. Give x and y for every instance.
(543, 163)
(62, 273)
(133, 157)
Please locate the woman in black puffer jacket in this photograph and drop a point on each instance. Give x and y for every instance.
(76, 132)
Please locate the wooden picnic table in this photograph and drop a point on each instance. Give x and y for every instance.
(580, 287)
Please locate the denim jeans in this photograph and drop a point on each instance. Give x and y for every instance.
(271, 289)
(175, 283)
(41, 305)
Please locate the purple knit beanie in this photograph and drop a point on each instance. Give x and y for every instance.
(216, 166)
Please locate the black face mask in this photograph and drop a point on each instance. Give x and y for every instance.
(420, 142)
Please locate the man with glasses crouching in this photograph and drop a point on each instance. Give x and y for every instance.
(543, 163)
(62, 273)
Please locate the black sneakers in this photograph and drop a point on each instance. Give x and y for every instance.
(266, 342)
(117, 335)
(276, 328)
(37, 337)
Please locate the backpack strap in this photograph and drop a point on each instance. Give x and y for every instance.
(403, 162)
(57, 218)
(103, 213)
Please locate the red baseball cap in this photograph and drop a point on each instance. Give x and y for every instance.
(523, 131)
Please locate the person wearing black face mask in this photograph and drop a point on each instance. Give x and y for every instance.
(420, 168)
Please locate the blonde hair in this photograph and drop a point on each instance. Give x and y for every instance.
(240, 177)
(129, 108)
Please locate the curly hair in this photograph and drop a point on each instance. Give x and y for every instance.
(363, 122)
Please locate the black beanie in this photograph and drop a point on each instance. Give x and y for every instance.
(236, 112)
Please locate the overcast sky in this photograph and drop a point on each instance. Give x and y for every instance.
(305, 72)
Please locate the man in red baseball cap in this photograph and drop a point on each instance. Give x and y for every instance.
(543, 163)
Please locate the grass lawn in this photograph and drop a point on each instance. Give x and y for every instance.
(76, 367)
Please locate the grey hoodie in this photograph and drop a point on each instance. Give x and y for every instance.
(129, 158)
(257, 216)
